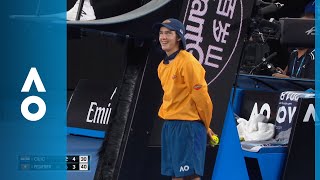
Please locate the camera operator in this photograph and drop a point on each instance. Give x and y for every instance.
(301, 62)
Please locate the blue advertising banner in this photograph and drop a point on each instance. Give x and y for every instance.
(33, 90)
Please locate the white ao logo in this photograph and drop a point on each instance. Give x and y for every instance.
(184, 168)
(33, 76)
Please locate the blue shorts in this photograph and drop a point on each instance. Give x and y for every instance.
(183, 148)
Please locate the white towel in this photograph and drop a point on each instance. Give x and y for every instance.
(256, 129)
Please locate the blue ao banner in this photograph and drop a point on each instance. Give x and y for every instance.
(317, 123)
(33, 90)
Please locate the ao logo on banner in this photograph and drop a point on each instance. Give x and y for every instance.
(33, 76)
(288, 106)
(212, 32)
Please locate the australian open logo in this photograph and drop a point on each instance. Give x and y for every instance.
(213, 31)
(33, 77)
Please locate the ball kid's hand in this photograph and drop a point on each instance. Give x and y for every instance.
(210, 132)
(213, 138)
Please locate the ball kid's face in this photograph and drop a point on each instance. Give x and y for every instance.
(169, 40)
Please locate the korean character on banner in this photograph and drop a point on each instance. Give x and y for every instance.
(212, 56)
(226, 8)
(219, 31)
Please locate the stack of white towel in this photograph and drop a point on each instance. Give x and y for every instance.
(256, 129)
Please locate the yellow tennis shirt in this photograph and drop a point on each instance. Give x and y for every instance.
(185, 90)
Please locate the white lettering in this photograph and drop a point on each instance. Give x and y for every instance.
(90, 110)
(254, 111)
(107, 115)
(265, 108)
(311, 31)
(219, 31)
(101, 114)
(198, 11)
(227, 9)
(33, 76)
(39, 158)
(184, 168)
(194, 32)
(213, 56)
(291, 113)
(283, 110)
(289, 96)
(97, 115)
(310, 113)
(196, 47)
(25, 108)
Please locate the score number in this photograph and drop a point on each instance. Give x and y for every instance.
(78, 163)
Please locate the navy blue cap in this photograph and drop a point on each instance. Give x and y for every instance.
(173, 25)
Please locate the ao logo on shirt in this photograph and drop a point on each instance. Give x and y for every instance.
(184, 168)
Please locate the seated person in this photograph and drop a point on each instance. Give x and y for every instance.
(301, 62)
(301, 65)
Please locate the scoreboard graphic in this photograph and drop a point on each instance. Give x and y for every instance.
(80, 163)
(70, 163)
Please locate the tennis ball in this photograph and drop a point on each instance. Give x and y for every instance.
(214, 140)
